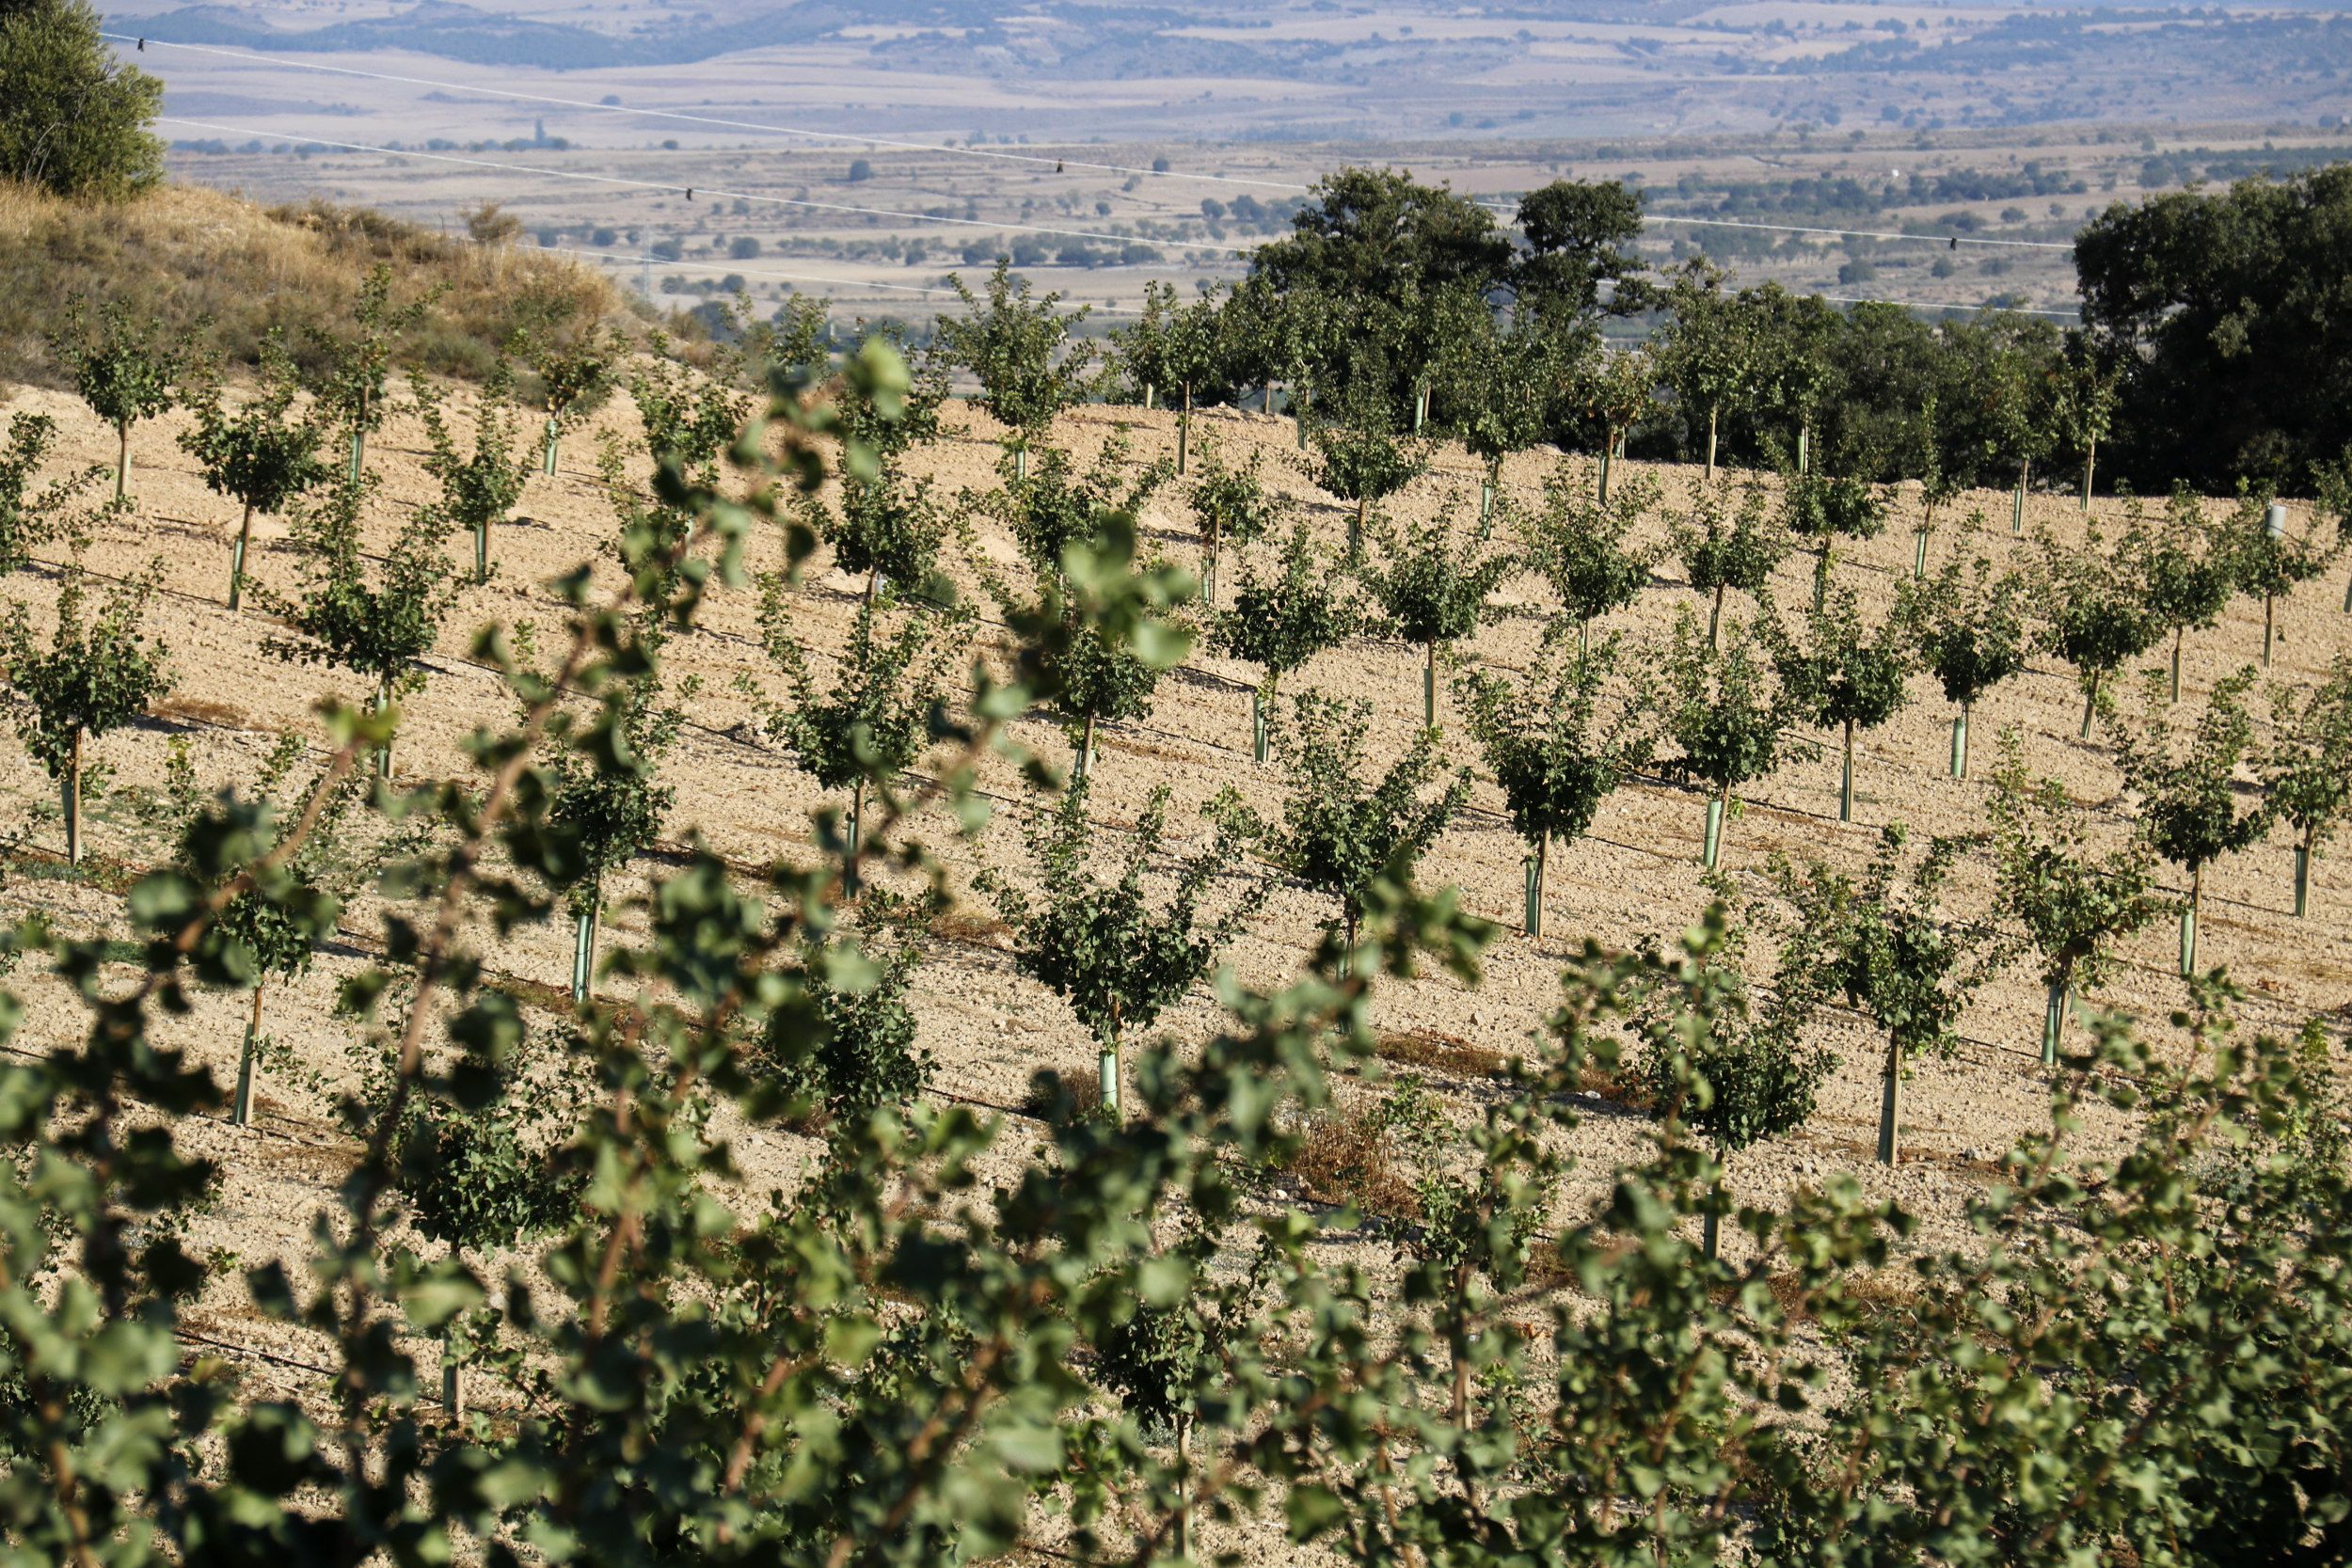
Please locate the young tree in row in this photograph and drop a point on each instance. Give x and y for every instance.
(1359, 458)
(880, 421)
(1234, 508)
(1052, 505)
(1578, 543)
(30, 518)
(1189, 356)
(1713, 1065)
(1558, 747)
(1280, 620)
(1938, 486)
(2270, 561)
(1824, 511)
(874, 721)
(256, 455)
(1897, 951)
(374, 618)
(1972, 637)
(95, 674)
(2306, 766)
(2189, 790)
(2093, 611)
(1729, 722)
(1500, 392)
(2189, 580)
(1432, 586)
(360, 363)
(481, 486)
(2072, 902)
(1720, 553)
(689, 418)
(607, 804)
(885, 529)
(2083, 405)
(1619, 389)
(1100, 944)
(1845, 676)
(271, 928)
(847, 1046)
(1709, 349)
(122, 366)
(1340, 832)
(574, 380)
(1098, 636)
(1022, 349)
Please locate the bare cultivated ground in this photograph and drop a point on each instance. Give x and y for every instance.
(1634, 878)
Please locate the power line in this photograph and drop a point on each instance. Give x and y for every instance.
(540, 172)
(1059, 163)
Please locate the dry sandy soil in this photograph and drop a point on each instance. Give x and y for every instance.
(1635, 877)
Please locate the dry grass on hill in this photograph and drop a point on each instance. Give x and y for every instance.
(196, 255)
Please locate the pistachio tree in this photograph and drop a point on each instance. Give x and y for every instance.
(1558, 742)
(2271, 559)
(1723, 549)
(480, 485)
(1617, 389)
(1825, 509)
(1898, 950)
(1708, 349)
(1234, 508)
(1340, 830)
(873, 721)
(1714, 1063)
(1279, 621)
(1053, 503)
(2192, 804)
(2305, 765)
(2188, 576)
(372, 615)
(1024, 351)
(2069, 897)
(688, 417)
(606, 803)
(2092, 609)
(358, 359)
(1972, 635)
(887, 528)
(1101, 942)
(1358, 457)
(258, 454)
(1432, 584)
(573, 379)
(1727, 717)
(1579, 542)
(30, 518)
(1840, 673)
(124, 368)
(1499, 388)
(98, 671)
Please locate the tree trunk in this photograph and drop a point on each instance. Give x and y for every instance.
(1715, 621)
(1845, 780)
(1713, 411)
(1720, 807)
(1106, 1075)
(2090, 461)
(236, 558)
(2188, 920)
(1086, 748)
(585, 945)
(73, 801)
(546, 463)
(1020, 463)
(1429, 687)
(1541, 874)
(1147, 392)
(1820, 577)
(240, 1107)
(1461, 1356)
(1711, 1235)
(1356, 530)
(2052, 1022)
(2266, 626)
(2091, 704)
(873, 584)
(1959, 742)
(1183, 432)
(122, 456)
(1184, 1447)
(1608, 441)
(482, 552)
(1257, 725)
(1919, 556)
(849, 853)
(2303, 870)
(2017, 510)
(384, 704)
(1890, 1102)
(1305, 401)
(2178, 632)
